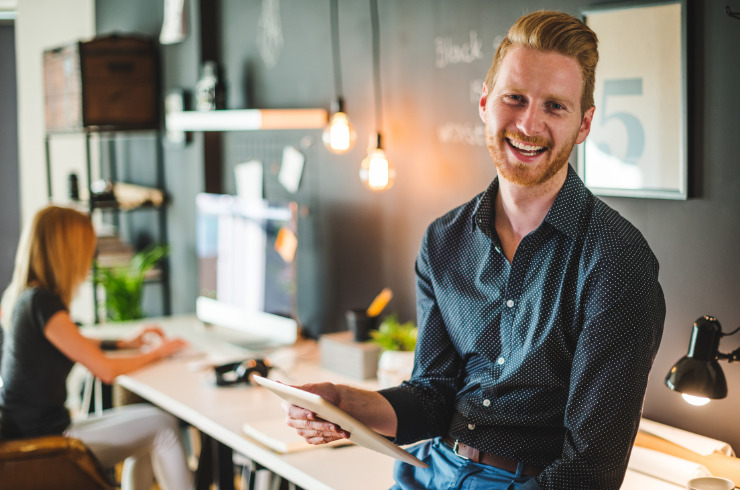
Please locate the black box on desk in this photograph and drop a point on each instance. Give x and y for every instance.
(340, 353)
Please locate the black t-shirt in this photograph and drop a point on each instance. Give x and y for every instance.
(33, 370)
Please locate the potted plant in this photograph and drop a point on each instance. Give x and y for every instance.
(398, 341)
(124, 285)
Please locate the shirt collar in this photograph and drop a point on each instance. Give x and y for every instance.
(564, 215)
(570, 205)
(484, 210)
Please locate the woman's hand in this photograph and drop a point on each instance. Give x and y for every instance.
(169, 346)
(144, 336)
(153, 338)
(310, 426)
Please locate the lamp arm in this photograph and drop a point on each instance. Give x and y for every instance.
(734, 355)
(731, 357)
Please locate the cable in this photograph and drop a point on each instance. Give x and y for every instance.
(334, 7)
(376, 63)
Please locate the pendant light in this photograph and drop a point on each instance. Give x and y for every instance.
(376, 172)
(339, 136)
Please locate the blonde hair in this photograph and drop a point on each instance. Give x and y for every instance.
(547, 30)
(55, 253)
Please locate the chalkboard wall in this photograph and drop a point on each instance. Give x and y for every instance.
(434, 55)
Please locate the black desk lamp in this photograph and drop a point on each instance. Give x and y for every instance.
(698, 376)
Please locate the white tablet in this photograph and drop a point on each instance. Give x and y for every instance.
(360, 433)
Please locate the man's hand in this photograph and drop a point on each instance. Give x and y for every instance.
(311, 427)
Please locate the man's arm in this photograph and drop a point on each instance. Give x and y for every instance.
(369, 407)
(425, 404)
(623, 311)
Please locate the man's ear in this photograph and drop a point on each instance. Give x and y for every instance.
(482, 103)
(585, 128)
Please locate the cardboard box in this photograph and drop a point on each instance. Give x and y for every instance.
(341, 354)
(110, 82)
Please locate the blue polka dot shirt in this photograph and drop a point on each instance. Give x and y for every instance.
(543, 360)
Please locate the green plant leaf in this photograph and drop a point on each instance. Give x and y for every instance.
(394, 335)
(124, 285)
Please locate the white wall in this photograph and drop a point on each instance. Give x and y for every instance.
(39, 25)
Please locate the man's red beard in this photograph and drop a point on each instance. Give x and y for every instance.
(521, 173)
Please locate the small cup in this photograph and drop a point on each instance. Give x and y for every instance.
(710, 483)
(360, 324)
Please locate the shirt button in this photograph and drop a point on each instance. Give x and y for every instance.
(510, 303)
(500, 360)
(486, 402)
(471, 426)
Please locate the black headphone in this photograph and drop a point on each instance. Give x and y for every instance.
(241, 372)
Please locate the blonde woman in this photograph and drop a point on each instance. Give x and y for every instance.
(41, 343)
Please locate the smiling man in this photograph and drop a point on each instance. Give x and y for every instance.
(539, 307)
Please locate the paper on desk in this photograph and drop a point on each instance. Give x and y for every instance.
(275, 434)
(664, 466)
(693, 442)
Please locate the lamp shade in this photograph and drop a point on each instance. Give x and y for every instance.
(698, 373)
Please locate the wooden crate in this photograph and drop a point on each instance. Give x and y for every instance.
(110, 82)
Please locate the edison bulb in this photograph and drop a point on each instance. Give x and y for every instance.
(339, 135)
(697, 401)
(376, 172)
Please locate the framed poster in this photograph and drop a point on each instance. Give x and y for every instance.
(638, 143)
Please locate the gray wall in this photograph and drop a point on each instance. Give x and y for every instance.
(9, 211)
(366, 241)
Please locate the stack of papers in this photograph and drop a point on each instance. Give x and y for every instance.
(665, 467)
(689, 440)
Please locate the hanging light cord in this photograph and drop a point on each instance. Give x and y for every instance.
(376, 65)
(335, 51)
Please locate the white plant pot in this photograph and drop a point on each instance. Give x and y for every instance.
(394, 367)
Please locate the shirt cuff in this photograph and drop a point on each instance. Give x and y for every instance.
(109, 344)
(408, 411)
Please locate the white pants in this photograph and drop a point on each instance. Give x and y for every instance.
(147, 438)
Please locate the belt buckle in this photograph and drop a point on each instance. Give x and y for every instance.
(454, 449)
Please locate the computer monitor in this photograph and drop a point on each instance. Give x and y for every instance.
(247, 269)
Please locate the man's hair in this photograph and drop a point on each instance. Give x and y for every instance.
(547, 30)
(55, 253)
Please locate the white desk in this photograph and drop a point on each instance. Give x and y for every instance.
(220, 412)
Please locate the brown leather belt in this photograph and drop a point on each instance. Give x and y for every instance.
(468, 452)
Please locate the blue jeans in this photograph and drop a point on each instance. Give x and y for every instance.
(447, 470)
